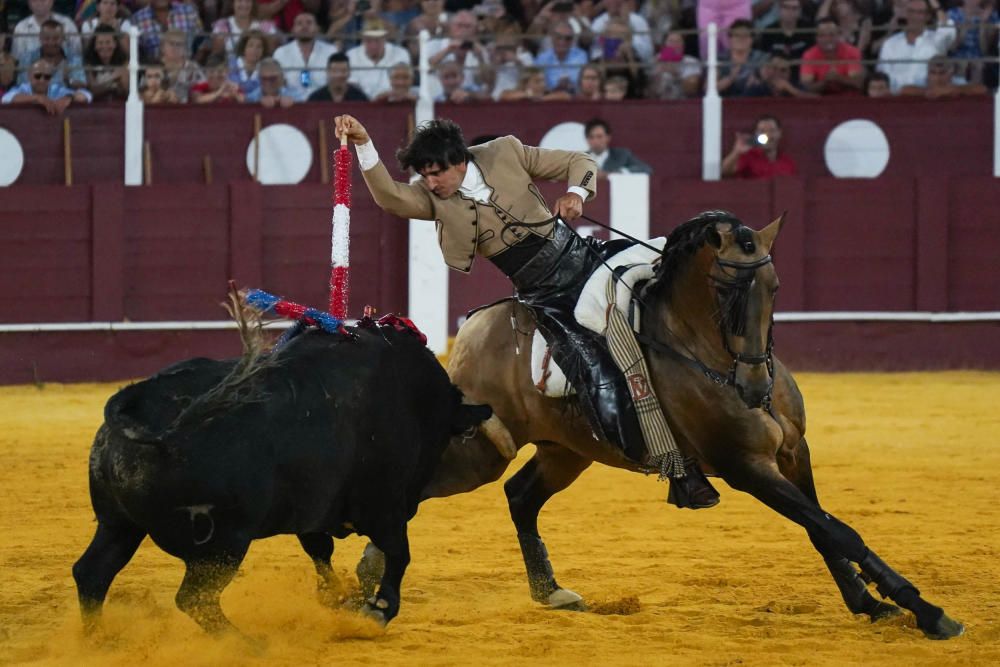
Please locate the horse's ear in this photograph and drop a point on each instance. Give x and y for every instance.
(718, 239)
(769, 233)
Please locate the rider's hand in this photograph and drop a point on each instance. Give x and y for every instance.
(356, 132)
(569, 206)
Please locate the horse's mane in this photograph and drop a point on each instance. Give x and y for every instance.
(682, 243)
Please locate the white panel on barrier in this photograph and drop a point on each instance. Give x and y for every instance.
(11, 158)
(629, 204)
(428, 285)
(566, 136)
(856, 149)
(285, 155)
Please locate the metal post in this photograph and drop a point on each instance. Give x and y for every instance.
(133, 115)
(711, 114)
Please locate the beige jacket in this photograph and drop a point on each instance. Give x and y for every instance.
(467, 227)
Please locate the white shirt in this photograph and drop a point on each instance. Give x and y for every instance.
(26, 37)
(473, 185)
(373, 77)
(290, 58)
(471, 66)
(88, 27)
(642, 41)
(930, 43)
(508, 75)
(599, 158)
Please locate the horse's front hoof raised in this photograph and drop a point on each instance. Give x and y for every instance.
(944, 627)
(564, 599)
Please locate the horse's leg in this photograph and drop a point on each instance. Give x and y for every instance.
(550, 470)
(319, 547)
(795, 466)
(762, 479)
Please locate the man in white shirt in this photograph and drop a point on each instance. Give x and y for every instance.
(304, 59)
(916, 43)
(373, 58)
(26, 32)
(462, 46)
(642, 42)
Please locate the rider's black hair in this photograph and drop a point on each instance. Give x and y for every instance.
(438, 142)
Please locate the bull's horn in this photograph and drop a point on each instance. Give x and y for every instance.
(500, 437)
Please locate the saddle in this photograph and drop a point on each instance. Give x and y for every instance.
(632, 266)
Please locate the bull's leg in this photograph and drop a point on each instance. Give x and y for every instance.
(467, 464)
(394, 544)
(112, 547)
(762, 479)
(370, 569)
(795, 466)
(319, 547)
(550, 470)
(206, 577)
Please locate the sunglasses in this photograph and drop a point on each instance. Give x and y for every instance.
(564, 38)
(42, 77)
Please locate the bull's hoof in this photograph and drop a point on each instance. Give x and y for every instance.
(564, 599)
(882, 611)
(376, 610)
(944, 627)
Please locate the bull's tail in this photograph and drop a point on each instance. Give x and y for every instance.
(120, 417)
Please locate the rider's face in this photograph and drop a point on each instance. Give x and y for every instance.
(444, 181)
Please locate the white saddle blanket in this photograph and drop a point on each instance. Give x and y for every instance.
(591, 311)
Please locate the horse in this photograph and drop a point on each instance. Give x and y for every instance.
(709, 306)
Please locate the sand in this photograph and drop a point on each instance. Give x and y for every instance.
(909, 460)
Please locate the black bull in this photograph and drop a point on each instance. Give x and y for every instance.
(329, 436)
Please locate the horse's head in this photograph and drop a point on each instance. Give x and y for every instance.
(743, 278)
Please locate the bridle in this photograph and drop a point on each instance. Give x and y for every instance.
(727, 379)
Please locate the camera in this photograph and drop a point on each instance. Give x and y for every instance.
(759, 139)
(466, 45)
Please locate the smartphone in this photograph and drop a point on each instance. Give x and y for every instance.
(610, 45)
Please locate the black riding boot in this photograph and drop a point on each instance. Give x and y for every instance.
(605, 398)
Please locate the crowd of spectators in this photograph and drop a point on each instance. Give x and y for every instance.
(281, 52)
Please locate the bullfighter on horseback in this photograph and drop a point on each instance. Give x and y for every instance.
(484, 202)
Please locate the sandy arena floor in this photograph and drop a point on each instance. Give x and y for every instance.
(911, 461)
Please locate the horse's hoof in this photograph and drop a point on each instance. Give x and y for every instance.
(566, 600)
(944, 628)
(884, 610)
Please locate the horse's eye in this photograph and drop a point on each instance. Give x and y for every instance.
(748, 247)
